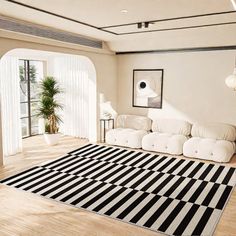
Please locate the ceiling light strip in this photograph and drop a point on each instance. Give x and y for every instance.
(172, 19)
(179, 28)
(234, 4)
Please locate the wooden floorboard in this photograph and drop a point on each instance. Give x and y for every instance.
(23, 213)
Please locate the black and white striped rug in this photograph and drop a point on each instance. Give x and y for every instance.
(165, 194)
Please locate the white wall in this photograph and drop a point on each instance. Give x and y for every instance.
(194, 85)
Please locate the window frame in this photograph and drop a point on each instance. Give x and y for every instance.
(29, 101)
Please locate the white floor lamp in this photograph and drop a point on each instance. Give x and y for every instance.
(230, 81)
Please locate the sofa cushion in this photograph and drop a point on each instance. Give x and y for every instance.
(209, 149)
(214, 131)
(163, 142)
(134, 122)
(125, 137)
(171, 126)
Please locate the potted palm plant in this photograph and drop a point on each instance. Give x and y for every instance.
(49, 107)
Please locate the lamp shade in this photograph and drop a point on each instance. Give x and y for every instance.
(230, 81)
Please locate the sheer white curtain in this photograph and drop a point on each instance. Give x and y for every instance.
(73, 75)
(10, 105)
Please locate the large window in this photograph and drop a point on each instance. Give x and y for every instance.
(31, 72)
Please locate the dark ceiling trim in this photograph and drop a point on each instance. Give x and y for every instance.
(173, 18)
(179, 28)
(176, 50)
(60, 16)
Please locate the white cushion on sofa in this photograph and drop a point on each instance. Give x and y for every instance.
(125, 137)
(214, 131)
(134, 122)
(163, 142)
(209, 149)
(171, 126)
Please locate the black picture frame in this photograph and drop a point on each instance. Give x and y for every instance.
(155, 102)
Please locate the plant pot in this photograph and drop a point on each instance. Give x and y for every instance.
(52, 139)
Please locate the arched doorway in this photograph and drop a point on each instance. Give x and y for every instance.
(69, 70)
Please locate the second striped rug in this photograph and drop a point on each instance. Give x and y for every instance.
(165, 194)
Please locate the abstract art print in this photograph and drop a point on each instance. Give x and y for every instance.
(147, 88)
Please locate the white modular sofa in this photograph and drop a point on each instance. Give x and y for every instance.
(168, 136)
(129, 132)
(211, 141)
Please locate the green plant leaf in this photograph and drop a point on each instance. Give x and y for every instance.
(48, 105)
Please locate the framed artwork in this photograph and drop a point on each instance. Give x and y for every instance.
(147, 88)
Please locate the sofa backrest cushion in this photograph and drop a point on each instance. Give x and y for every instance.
(214, 131)
(134, 122)
(171, 126)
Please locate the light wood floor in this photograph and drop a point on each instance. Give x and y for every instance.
(24, 214)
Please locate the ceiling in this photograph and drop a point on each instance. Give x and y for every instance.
(175, 23)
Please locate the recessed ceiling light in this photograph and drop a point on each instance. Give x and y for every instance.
(124, 11)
